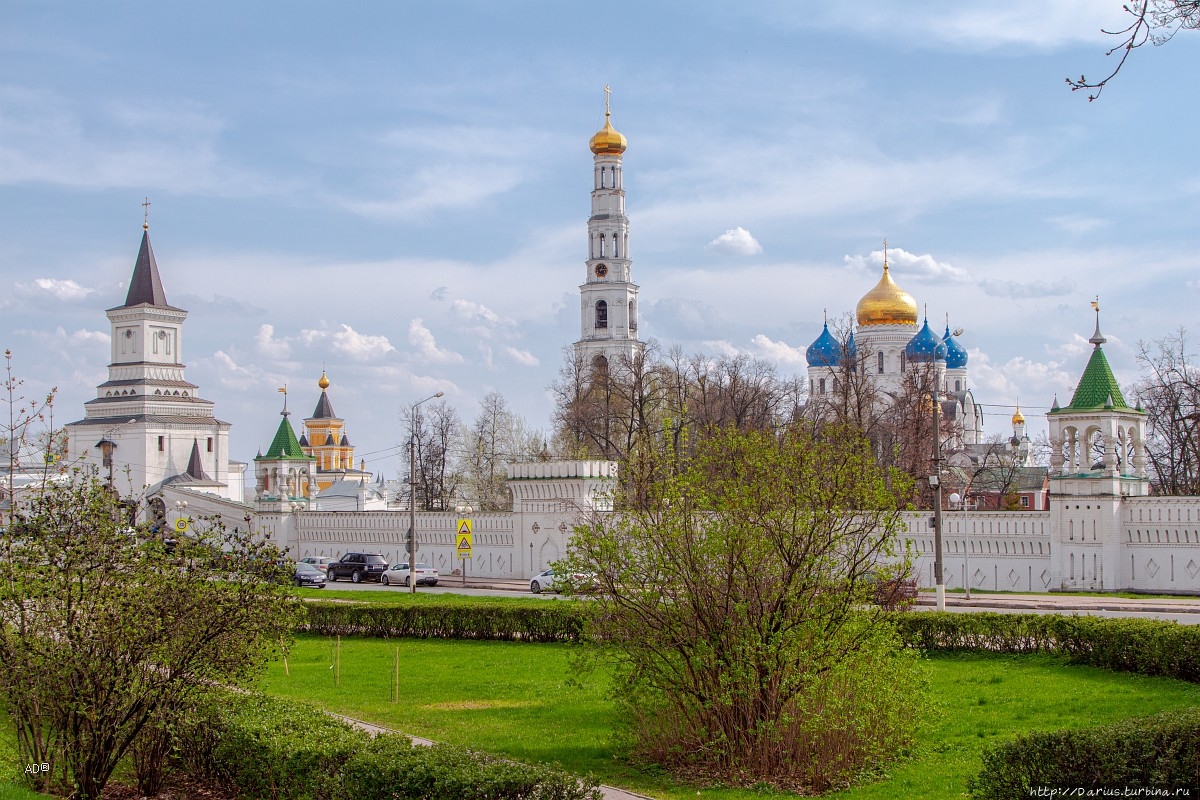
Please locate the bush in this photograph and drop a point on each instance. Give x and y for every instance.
(553, 622)
(269, 749)
(391, 767)
(1159, 752)
(1148, 647)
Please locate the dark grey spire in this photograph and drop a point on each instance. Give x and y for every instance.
(146, 287)
(324, 408)
(195, 468)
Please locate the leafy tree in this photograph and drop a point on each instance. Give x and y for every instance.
(1169, 391)
(108, 631)
(436, 428)
(1154, 21)
(732, 600)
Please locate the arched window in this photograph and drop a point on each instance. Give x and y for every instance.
(822, 386)
(880, 359)
(958, 386)
(601, 314)
(632, 316)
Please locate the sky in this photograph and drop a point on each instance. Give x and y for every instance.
(398, 193)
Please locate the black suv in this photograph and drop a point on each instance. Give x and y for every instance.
(358, 567)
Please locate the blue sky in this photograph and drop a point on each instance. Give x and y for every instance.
(399, 191)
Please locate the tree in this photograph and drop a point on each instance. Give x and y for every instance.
(108, 630)
(1169, 391)
(497, 437)
(1154, 21)
(435, 431)
(730, 599)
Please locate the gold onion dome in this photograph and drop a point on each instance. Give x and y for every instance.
(1018, 418)
(886, 304)
(324, 382)
(608, 140)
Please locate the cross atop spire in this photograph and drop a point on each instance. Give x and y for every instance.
(146, 214)
(607, 100)
(885, 266)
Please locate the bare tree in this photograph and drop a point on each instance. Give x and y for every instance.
(435, 428)
(1169, 391)
(1154, 21)
(498, 436)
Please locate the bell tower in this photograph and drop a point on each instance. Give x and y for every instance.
(608, 295)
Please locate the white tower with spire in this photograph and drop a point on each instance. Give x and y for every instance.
(147, 425)
(608, 295)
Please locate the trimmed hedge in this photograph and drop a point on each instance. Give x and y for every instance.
(265, 748)
(392, 767)
(1158, 752)
(1149, 647)
(553, 622)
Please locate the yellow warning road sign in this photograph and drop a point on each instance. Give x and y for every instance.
(462, 540)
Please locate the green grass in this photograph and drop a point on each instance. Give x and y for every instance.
(522, 700)
(11, 766)
(400, 596)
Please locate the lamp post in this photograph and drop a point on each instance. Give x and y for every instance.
(412, 493)
(935, 483)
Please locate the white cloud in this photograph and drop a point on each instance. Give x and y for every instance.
(722, 347)
(780, 352)
(736, 241)
(269, 346)
(522, 357)
(474, 311)
(360, 346)
(425, 345)
(66, 291)
(1015, 290)
(60, 338)
(922, 268)
(230, 374)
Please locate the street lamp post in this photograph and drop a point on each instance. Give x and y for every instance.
(412, 493)
(935, 482)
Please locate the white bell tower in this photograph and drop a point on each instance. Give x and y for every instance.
(608, 295)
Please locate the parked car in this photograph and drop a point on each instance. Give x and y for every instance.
(397, 575)
(320, 562)
(358, 567)
(548, 581)
(308, 575)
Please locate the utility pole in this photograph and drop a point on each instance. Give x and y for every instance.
(935, 480)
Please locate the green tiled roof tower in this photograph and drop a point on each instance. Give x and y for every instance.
(1098, 389)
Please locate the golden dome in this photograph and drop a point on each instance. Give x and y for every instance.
(886, 304)
(1018, 418)
(608, 140)
(324, 382)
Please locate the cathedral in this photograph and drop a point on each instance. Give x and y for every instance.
(886, 348)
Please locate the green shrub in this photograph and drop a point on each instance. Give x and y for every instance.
(392, 768)
(1159, 752)
(551, 622)
(265, 748)
(268, 748)
(1149, 647)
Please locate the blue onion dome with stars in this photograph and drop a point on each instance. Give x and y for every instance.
(852, 348)
(826, 351)
(925, 346)
(956, 355)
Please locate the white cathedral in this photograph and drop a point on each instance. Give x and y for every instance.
(152, 436)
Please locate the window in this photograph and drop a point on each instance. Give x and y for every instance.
(1024, 501)
(822, 386)
(210, 444)
(162, 444)
(601, 314)
(880, 359)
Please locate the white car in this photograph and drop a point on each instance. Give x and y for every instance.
(549, 582)
(397, 575)
(320, 562)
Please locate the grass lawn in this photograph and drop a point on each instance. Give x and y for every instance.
(522, 700)
(11, 766)
(399, 595)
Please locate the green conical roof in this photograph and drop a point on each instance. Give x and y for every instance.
(1097, 389)
(284, 446)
